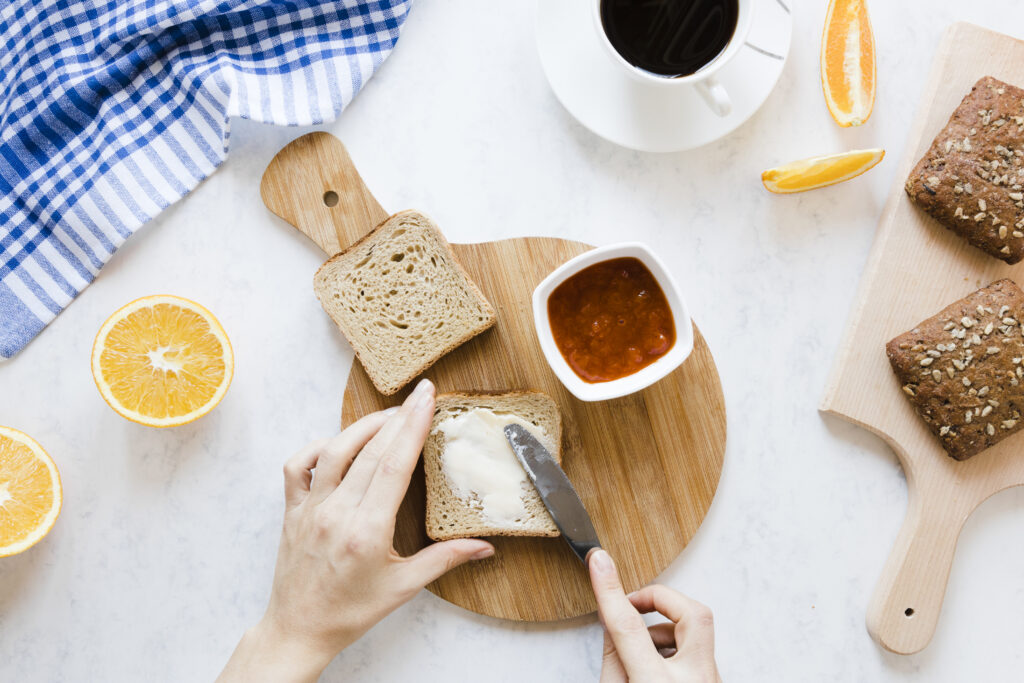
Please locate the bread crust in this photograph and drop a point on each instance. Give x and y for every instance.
(362, 351)
(439, 494)
(963, 369)
(971, 180)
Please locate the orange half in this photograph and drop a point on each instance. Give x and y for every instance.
(162, 361)
(809, 174)
(848, 62)
(30, 492)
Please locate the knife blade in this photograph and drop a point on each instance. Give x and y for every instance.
(555, 489)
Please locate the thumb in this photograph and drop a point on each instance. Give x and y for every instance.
(436, 560)
(626, 628)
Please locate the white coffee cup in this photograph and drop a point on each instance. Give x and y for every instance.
(703, 80)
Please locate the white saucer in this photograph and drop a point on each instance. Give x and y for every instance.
(602, 96)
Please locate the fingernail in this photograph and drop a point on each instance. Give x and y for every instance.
(601, 561)
(424, 390)
(482, 554)
(391, 411)
(426, 402)
(413, 398)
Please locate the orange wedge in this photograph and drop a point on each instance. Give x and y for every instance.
(30, 492)
(162, 361)
(848, 62)
(810, 174)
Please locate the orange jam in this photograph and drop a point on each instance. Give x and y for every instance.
(611, 319)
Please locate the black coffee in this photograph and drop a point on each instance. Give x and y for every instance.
(669, 38)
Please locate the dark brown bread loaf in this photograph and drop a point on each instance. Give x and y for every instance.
(963, 369)
(971, 180)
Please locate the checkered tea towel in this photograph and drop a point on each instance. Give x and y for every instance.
(111, 110)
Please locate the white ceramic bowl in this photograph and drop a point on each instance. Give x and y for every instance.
(601, 391)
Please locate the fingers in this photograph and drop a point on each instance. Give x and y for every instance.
(663, 635)
(695, 626)
(394, 470)
(664, 600)
(611, 666)
(337, 453)
(353, 487)
(298, 472)
(695, 636)
(624, 624)
(437, 559)
(330, 458)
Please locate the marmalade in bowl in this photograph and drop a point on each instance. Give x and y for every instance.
(611, 319)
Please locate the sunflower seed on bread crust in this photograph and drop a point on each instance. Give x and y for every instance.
(971, 180)
(980, 402)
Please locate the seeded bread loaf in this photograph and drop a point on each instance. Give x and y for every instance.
(962, 369)
(448, 515)
(972, 178)
(401, 299)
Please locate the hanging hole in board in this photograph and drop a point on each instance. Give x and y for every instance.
(909, 612)
(331, 198)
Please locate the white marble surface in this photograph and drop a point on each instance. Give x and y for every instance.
(163, 553)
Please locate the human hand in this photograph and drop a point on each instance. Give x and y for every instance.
(682, 649)
(337, 571)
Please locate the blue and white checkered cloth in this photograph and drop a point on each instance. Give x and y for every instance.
(111, 110)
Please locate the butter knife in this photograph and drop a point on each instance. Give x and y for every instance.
(555, 489)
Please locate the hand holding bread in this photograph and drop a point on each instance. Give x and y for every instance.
(337, 573)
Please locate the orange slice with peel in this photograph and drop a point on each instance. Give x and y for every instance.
(30, 492)
(162, 361)
(809, 174)
(848, 62)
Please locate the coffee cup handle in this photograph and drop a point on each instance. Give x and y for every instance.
(715, 96)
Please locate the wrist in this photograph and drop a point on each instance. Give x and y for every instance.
(279, 655)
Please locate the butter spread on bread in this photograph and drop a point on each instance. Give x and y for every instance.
(462, 501)
(481, 468)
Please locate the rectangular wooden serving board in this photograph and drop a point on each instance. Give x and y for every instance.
(915, 268)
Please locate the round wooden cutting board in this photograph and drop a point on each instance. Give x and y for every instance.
(646, 466)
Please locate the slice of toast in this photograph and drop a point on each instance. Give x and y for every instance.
(448, 515)
(401, 299)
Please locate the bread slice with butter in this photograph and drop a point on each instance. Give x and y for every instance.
(475, 484)
(402, 299)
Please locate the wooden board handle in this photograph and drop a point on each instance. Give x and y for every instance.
(313, 184)
(904, 610)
